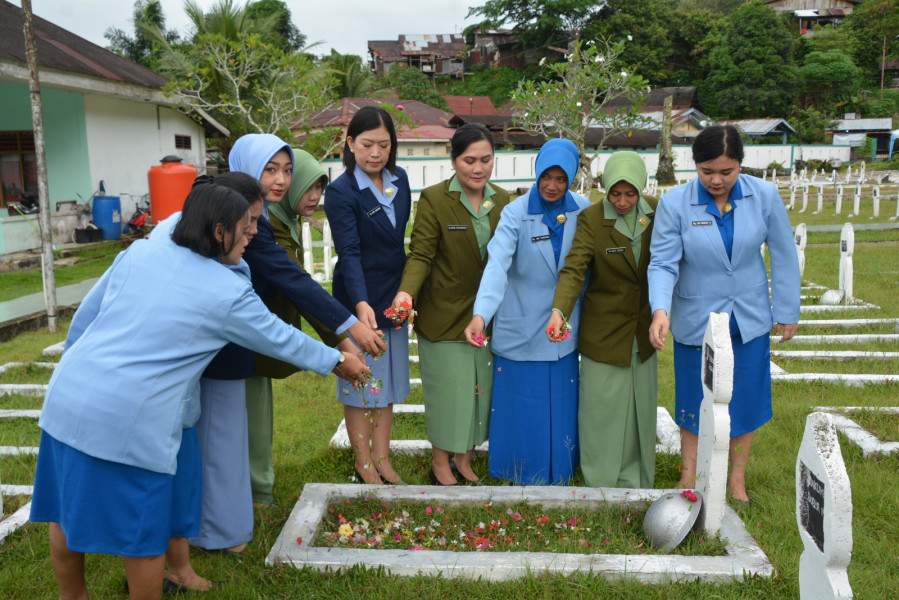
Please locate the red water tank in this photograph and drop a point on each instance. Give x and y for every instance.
(170, 183)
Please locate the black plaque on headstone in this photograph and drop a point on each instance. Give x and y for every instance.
(708, 372)
(811, 505)
(844, 246)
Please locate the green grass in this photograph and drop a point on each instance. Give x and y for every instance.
(19, 432)
(90, 262)
(306, 416)
(881, 424)
(28, 373)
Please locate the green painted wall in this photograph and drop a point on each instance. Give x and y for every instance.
(68, 165)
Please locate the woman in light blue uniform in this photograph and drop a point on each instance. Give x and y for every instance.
(705, 258)
(126, 387)
(533, 418)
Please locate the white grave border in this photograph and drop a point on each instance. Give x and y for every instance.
(666, 430)
(744, 560)
(868, 442)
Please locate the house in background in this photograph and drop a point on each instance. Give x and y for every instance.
(471, 105)
(440, 54)
(812, 13)
(429, 137)
(497, 48)
(105, 118)
(762, 128)
(868, 137)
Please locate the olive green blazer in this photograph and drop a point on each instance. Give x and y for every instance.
(616, 303)
(444, 266)
(287, 311)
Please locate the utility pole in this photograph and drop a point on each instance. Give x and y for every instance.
(47, 271)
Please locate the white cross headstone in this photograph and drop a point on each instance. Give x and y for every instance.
(804, 198)
(765, 175)
(847, 249)
(774, 176)
(327, 241)
(820, 199)
(856, 201)
(792, 196)
(306, 234)
(714, 421)
(801, 237)
(823, 512)
(876, 202)
(897, 205)
(839, 203)
(861, 173)
(848, 174)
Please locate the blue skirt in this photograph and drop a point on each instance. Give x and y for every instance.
(106, 507)
(392, 368)
(533, 421)
(750, 404)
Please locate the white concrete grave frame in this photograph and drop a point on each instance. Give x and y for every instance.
(868, 442)
(823, 512)
(744, 557)
(714, 421)
(24, 389)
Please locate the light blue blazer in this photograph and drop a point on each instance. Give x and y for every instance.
(139, 343)
(690, 274)
(518, 284)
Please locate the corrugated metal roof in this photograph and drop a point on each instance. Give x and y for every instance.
(885, 124)
(760, 126)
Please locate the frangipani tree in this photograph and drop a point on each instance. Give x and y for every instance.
(577, 94)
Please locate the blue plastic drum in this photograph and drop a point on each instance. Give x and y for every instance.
(108, 216)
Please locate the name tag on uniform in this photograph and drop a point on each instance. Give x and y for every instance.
(375, 210)
(701, 223)
(615, 250)
(457, 227)
(539, 238)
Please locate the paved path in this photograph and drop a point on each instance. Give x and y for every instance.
(23, 306)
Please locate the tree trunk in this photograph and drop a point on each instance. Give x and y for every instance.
(40, 151)
(665, 172)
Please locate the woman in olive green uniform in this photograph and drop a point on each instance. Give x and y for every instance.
(454, 221)
(618, 387)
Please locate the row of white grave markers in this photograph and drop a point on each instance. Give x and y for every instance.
(838, 203)
(823, 490)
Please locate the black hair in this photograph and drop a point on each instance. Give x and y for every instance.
(718, 140)
(467, 135)
(208, 205)
(366, 119)
(245, 185)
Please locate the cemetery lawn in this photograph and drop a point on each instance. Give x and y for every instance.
(306, 416)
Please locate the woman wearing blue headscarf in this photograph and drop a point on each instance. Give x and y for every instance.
(617, 412)
(533, 420)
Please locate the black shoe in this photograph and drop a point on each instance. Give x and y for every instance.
(360, 479)
(386, 481)
(435, 481)
(456, 471)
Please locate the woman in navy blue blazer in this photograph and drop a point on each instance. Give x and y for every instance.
(368, 208)
(705, 258)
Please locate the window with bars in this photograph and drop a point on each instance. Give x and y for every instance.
(182, 142)
(18, 166)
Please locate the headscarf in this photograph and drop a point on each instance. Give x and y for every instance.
(251, 152)
(562, 153)
(626, 165)
(306, 171)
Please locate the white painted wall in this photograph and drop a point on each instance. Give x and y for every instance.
(513, 169)
(125, 138)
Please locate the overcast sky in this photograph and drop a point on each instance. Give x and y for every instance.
(345, 25)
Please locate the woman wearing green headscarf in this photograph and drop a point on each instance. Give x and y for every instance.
(618, 386)
(302, 197)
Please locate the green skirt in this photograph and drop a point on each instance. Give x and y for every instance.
(457, 380)
(617, 422)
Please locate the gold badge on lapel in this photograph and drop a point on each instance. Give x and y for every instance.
(561, 218)
(487, 205)
(389, 192)
(643, 221)
(728, 207)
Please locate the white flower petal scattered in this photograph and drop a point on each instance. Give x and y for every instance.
(578, 104)
(630, 39)
(542, 61)
(624, 73)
